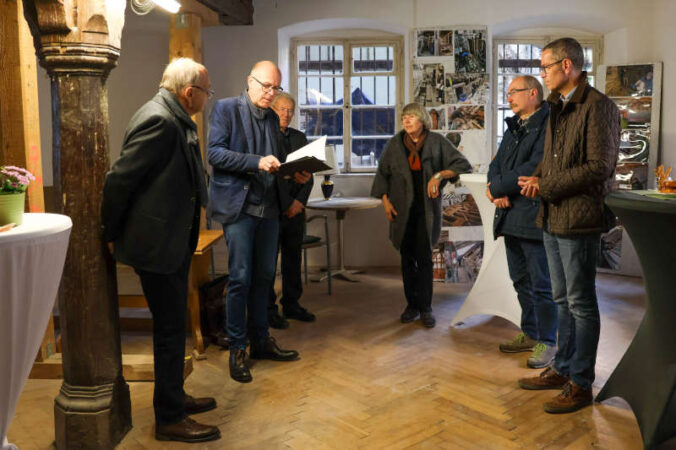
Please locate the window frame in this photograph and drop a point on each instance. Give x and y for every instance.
(596, 44)
(348, 43)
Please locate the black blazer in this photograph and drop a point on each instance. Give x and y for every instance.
(151, 196)
(296, 139)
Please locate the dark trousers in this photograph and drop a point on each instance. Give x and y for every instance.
(416, 264)
(529, 271)
(290, 241)
(166, 296)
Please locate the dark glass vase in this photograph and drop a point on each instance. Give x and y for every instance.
(327, 187)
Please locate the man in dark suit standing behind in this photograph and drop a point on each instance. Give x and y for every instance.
(151, 219)
(291, 227)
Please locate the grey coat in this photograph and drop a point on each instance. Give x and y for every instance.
(394, 178)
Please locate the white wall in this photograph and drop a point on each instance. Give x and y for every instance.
(633, 31)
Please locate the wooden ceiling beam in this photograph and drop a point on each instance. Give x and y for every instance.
(232, 12)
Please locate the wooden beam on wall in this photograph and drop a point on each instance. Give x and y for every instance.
(232, 12)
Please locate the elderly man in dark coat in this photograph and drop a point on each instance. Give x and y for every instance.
(151, 219)
(412, 171)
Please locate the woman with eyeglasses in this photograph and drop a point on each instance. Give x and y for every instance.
(413, 169)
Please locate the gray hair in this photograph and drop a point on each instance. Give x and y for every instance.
(285, 96)
(532, 83)
(181, 72)
(567, 48)
(415, 109)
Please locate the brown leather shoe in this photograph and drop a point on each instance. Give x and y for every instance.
(187, 430)
(572, 398)
(548, 379)
(198, 405)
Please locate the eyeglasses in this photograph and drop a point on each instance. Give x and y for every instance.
(545, 69)
(268, 87)
(514, 91)
(210, 92)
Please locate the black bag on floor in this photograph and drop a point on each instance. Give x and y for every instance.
(212, 310)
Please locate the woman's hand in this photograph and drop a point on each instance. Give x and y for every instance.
(433, 187)
(390, 212)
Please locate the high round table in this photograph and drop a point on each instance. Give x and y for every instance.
(493, 292)
(646, 375)
(341, 205)
(32, 256)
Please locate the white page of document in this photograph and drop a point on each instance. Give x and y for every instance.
(315, 149)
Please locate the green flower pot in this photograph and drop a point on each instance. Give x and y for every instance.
(11, 207)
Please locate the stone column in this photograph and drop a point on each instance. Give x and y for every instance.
(78, 43)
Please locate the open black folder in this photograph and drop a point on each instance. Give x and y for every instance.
(306, 163)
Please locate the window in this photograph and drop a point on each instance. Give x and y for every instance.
(360, 125)
(516, 57)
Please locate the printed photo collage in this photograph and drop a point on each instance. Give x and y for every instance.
(451, 81)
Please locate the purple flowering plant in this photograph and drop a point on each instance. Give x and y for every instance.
(14, 180)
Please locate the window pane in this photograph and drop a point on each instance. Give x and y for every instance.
(373, 59)
(372, 121)
(588, 59)
(366, 152)
(316, 59)
(320, 91)
(320, 122)
(378, 90)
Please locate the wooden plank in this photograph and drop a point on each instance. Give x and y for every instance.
(209, 16)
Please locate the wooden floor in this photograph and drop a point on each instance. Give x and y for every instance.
(367, 381)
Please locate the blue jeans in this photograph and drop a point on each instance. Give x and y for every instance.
(252, 260)
(527, 261)
(572, 266)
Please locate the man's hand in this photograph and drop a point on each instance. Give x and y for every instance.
(502, 202)
(488, 193)
(295, 209)
(530, 186)
(111, 247)
(302, 177)
(433, 187)
(269, 164)
(390, 212)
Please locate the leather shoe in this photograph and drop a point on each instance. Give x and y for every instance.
(278, 322)
(427, 319)
(198, 405)
(298, 312)
(268, 349)
(187, 430)
(409, 315)
(548, 379)
(238, 368)
(572, 398)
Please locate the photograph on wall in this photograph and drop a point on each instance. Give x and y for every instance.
(429, 84)
(631, 176)
(427, 43)
(458, 209)
(438, 116)
(634, 110)
(629, 81)
(470, 51)
(457, 261)
(469, 88)
(473, 145)
(445, 42)
(466, 117)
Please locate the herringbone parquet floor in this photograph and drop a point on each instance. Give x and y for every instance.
(367, 381)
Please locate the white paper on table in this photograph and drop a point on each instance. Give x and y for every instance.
(315, 149)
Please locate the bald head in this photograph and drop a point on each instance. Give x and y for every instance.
(264, 83)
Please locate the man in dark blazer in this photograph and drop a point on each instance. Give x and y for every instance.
(245, 150)
(291, 227)
(151, 216)
(519, 154)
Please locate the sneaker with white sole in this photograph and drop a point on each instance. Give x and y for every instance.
(543, 356)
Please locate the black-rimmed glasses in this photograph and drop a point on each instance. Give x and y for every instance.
(268, 87)
(209, 92)
(544, 69)
(514, 91)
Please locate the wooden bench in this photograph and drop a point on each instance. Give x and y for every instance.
(199, 274)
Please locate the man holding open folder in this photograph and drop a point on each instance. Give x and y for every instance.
(247, 197)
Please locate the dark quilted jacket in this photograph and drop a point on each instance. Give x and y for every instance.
(578, 166)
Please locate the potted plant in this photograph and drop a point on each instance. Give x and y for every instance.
(13, 184)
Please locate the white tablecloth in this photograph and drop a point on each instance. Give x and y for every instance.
(492, 292)
(32, 256)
